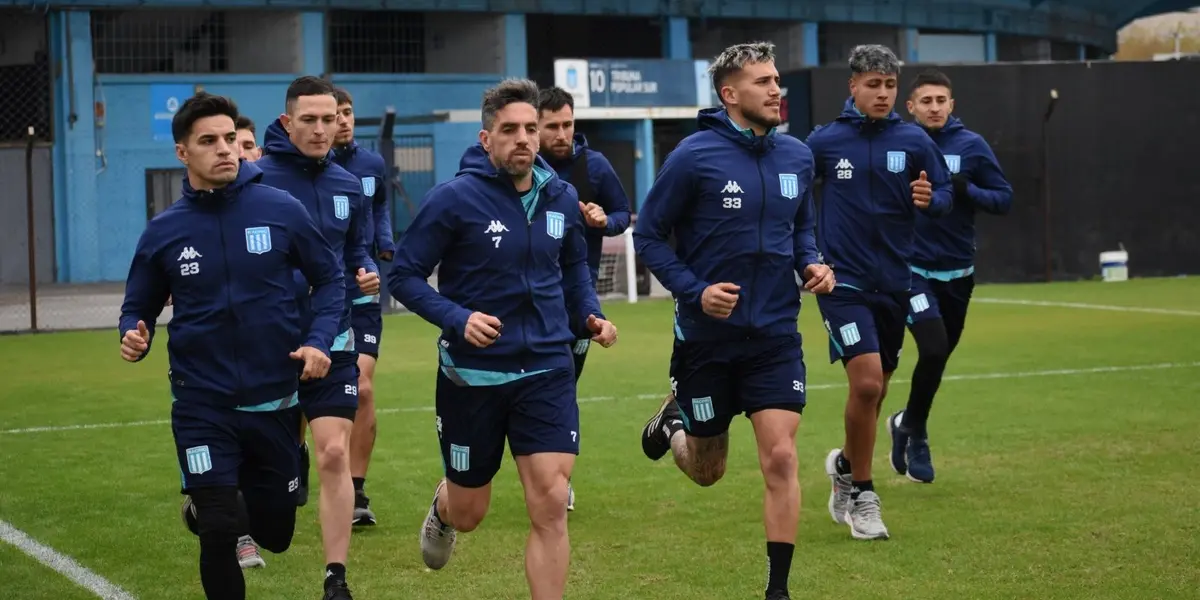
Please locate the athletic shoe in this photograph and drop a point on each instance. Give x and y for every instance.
(920, 463)
(839, 496)
(570, 496)
(248, 554)
(188, 512)
(363, 516)
(337, 590)
(865, 518)
(656, 435)
(899, 442)
(437, 539)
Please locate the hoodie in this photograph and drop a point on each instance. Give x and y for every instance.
(519, 257)
(607, 191)
(867, 217)
(945, 247)
(368, 166)
(226, 257)
(741, 209)
(334, 199)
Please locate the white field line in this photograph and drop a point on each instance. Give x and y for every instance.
(591, 399)
(63, 564)
(1113, 308)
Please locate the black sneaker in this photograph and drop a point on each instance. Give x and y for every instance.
(778, 595)
(656, 435)
(337, 590)
(363, 517)
(189, 515)
(302, 491)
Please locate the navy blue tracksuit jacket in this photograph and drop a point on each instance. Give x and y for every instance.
(227, 257)
(368, 166)
(947, 244)
(332, 196)
(608, 193)
(519, 257)
(867, 217)
(741, 209)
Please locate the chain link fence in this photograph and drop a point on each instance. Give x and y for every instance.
(24, 77)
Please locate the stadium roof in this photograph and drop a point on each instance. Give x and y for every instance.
(1124, 11)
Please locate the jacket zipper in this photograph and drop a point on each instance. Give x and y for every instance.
(230, 306)
(762, 211)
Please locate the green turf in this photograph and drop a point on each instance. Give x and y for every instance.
(1069, 485)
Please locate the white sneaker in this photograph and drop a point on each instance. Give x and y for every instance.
(570, 497)
(865, 518)
(839, 496)
(437, 539)
(248, 554)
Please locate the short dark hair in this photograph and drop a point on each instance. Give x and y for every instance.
(930, 77)
(735, 58)
(200, 106)
(244, 122)
(554, 99)
(307, 85)
(509, 91)
(342, 96)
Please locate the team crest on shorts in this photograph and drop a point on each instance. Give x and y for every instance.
(789, 185)
(368, 185)
(896, 161)
(341, 207)
(702, 409)
(460, 458)
(258, 240)
(199, 460)
(555, 224)
(954, 163)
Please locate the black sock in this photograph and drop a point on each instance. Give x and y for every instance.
(858, 487)
(933, 350)
(841, 465)
(220, 573)
(359, 482)
(335, 573)
(779, 565)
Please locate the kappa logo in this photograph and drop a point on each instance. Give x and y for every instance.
(732, 187)
(496, 227)
(844, 169)
(189, 253)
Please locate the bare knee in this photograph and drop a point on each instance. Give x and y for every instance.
(867, 388)
(333, 456)
(546, 501)
(468, 507)
(780, 464)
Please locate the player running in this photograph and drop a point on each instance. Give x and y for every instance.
(228, 249)
(879, 172)
(513, 277)
(299, 160)
(602, 199)
(738, 198)
(942, 264)
(366, 313)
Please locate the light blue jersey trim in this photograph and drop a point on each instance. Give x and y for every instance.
(343, 342)
(746, 131)
(529, 199)
(272, 406)
(366, 300)
(945, 275)
(846, 285)
(478, 377)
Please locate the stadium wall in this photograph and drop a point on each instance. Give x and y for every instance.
(1118, 177)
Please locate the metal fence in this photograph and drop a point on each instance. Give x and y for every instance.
(24, 77)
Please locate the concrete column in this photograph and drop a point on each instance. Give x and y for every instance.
(516, 60)
(312, 43)
(676, 40)
(989, 47)
(644, 169)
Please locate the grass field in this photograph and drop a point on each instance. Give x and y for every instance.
(1066, 440)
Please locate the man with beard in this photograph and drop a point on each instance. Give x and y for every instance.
(738, 198)
(506, 236)
(942, 264)
(880, 174)
(602, 199)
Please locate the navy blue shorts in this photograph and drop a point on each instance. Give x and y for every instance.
(257, 452)
(367, 322)
(335, 395)
(862, 322)
(933, 299)
(537, 414)
(715, 381)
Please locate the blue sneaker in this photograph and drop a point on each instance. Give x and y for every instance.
(920, 463)
(899, 443)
